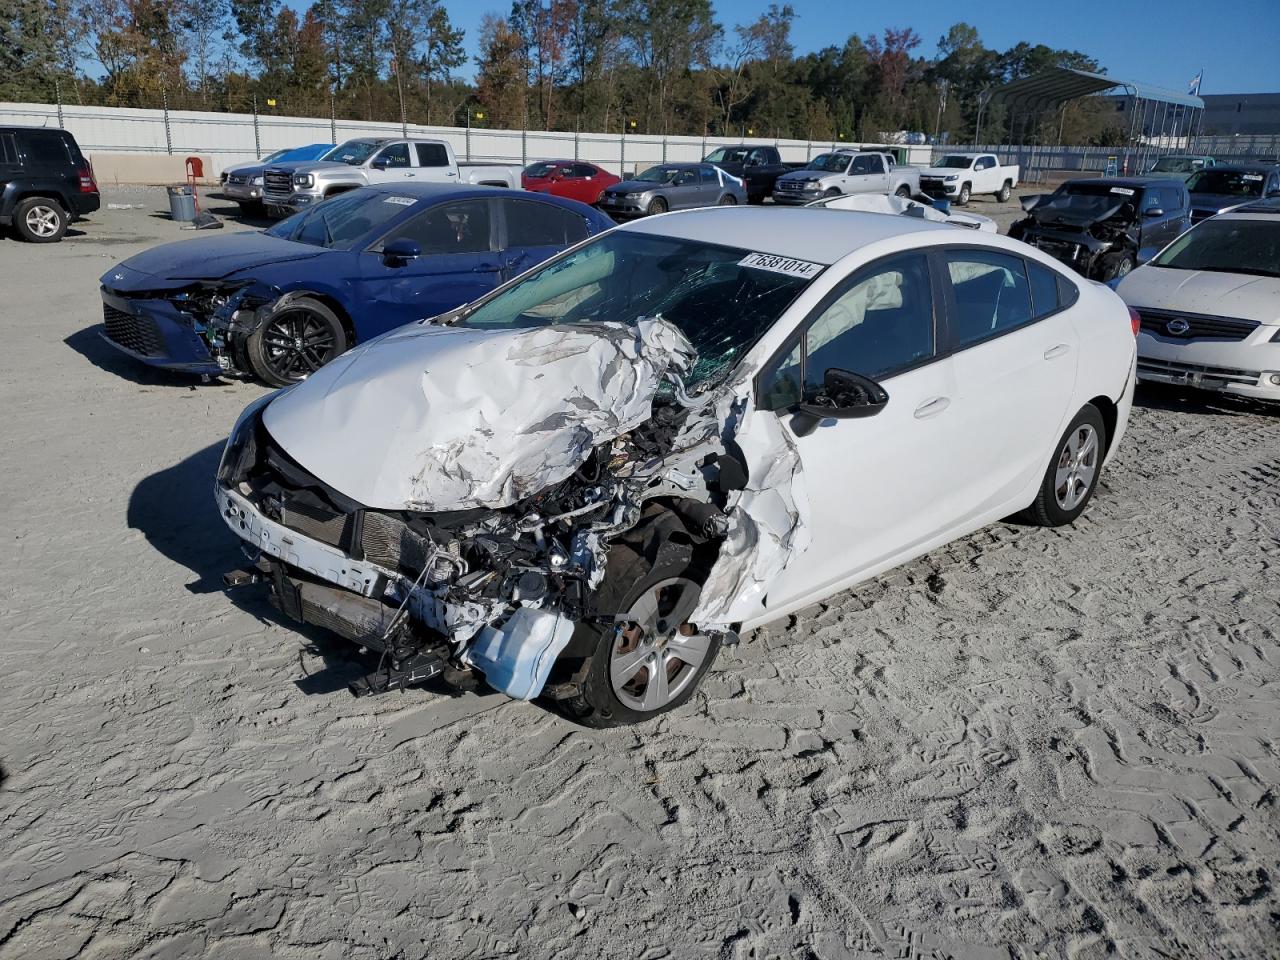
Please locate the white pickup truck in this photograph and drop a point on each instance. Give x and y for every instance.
(845, 172)
(289, 187)
(958, 176)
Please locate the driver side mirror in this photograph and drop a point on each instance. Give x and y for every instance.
(1155, 212)
(381, 163)
(845, 396)
(400, 251)
(1272, 194)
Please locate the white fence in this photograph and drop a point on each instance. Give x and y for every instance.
(230, 138)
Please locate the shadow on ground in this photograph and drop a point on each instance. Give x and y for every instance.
(175, 511)
(90, 345)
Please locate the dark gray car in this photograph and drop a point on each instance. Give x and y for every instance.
(673, 186)
(1223, 187)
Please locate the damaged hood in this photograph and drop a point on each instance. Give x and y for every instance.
(206, 258)
(1081, 211)
(434, 419)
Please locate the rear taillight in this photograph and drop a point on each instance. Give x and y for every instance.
(87, 183)
(1135, 320)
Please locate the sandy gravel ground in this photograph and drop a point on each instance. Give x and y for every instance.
(1029, 744)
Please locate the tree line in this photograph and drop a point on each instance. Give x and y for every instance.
(639, 66)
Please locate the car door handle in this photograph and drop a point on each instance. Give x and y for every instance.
(410, 174)
(1056, 351)
(931, 408)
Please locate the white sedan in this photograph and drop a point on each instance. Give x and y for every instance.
(1210, 306)
(582, 485)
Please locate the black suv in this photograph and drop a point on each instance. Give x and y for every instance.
(1105, 227)
(45, 182)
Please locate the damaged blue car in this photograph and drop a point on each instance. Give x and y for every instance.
(279, 304)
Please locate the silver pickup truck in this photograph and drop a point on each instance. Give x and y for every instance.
(844, 172)
(289, 187)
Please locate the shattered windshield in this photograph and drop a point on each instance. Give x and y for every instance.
(1177, 165)
(660, 174)
(340, 222)
(1231, 183)
(1227, 246)
(829, 162)
(722, 300)
(353, 152)
(728, 155)
(1087, 201)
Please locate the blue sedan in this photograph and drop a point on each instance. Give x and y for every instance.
(279, 304)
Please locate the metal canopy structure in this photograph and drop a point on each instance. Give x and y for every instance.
(1159, 120)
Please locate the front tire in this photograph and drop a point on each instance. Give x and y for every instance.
(656, 205)
(642, 668)
(40, 220)
(904, 192)
(965, 193)
(294, 342)
(1117, 266)
(1072, 476)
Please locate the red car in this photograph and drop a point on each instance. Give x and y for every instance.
(574, 179)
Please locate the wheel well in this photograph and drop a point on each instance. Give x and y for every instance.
(334, 191)
(333, 305)
(44, 194)
(493, 183)
(1110, 417)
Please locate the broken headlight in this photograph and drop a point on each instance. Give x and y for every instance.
(240, 442)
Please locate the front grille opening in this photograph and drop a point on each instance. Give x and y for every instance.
(139, 334)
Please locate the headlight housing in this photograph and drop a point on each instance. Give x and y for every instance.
(239, 440)
(257, 181)
(303, 180)
(951, 177)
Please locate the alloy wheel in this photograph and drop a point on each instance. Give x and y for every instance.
(1077, 467)
(656, 652)
(43, 220)
(296, 343)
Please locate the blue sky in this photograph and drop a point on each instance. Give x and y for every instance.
(1236, 42)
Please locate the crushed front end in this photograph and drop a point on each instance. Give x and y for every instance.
(1089, 236)
(499, 590)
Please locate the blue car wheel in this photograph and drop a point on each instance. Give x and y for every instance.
(295, 341)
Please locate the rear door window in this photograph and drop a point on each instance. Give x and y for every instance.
(583, 170)
(432, 155)
(534, 224)
(8, 149)
(44, 149)
(707, 174)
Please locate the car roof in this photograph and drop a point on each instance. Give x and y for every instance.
(1257, 210)
(1124, 181)
(1260, 167)
(812, 235)
(453, 191)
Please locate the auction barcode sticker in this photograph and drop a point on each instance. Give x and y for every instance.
(792, 268)
(1123, 191)
(403, 201)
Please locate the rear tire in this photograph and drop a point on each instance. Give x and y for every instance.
(1006, 190)
(40, 220)
(728, 200)
(615, 679)
(656, 205)
(294, 342)
(1072, 476)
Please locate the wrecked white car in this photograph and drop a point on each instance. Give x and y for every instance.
(582, 485)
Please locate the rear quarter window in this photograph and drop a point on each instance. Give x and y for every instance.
(44, 149)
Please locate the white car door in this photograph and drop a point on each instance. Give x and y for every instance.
(1016, 351)
(433, 163)
(877, 486)
(390, 164)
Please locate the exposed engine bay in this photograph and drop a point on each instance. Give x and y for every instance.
(1089, 233)
(484, 549)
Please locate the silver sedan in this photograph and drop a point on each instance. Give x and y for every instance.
(673, 186)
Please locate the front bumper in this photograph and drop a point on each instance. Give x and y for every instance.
(796, 197)
(939, 189)
(157, 333)
(286, 206)
(1248, 368)
(623, 206)
(242, 192)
